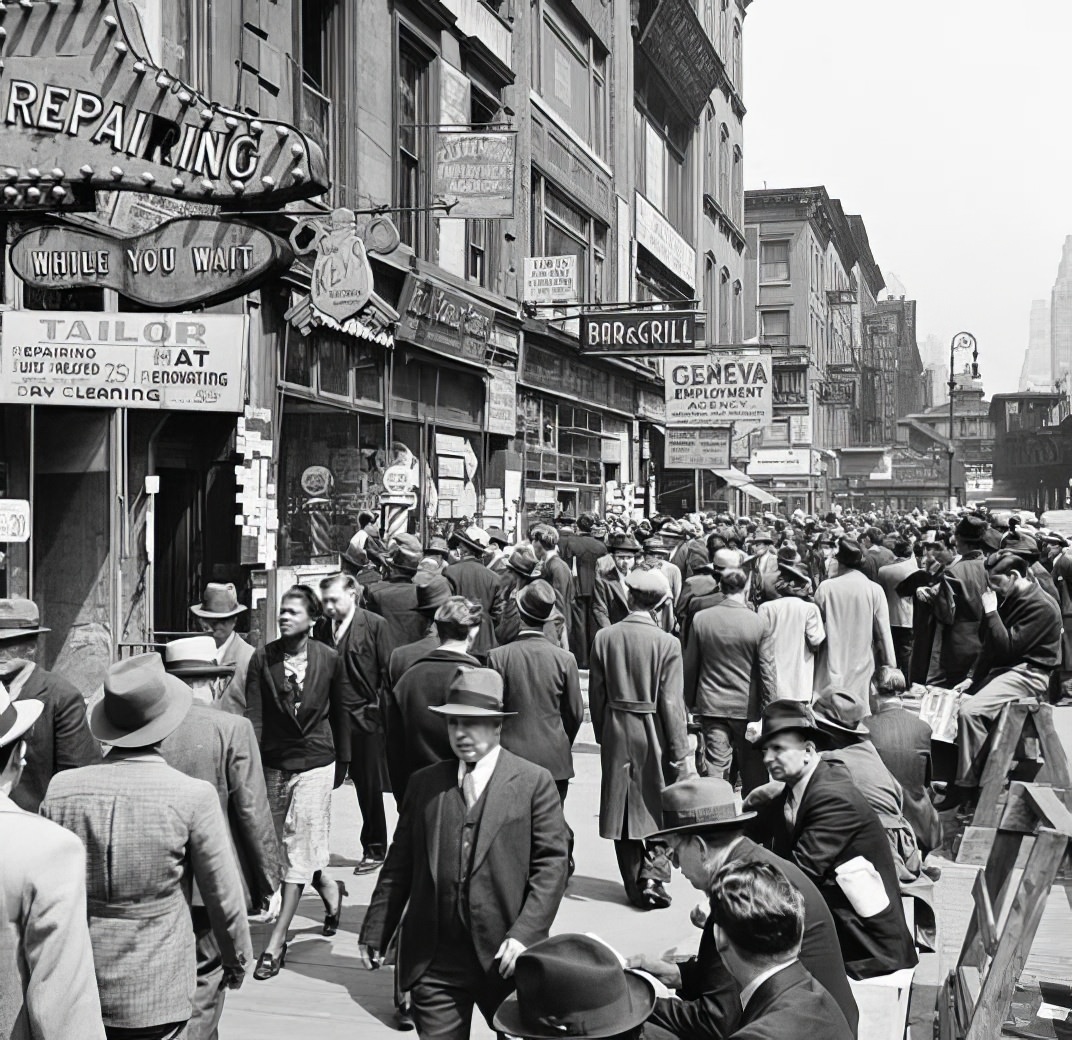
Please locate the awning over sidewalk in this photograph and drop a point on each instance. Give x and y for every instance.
(733, 476)
(763, 497)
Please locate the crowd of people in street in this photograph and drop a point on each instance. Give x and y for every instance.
(746, 684)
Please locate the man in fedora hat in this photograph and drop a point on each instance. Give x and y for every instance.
(471, 579)
(47, 987)
(900, 606)
(395, 599)
(496, 556)
(414, 737)
(957, 603)
(575, 986)
(478, 863)
(218, 613)
(541, 690)
(702, 590)
(610, 603)
(221, 749)
(635, 698)
(555, 571)
(795, 631)
(820, 821)
(857, 621)
(61, 739)
(362, 640)
(150, 832)
(764, 567)
(706, 832)
(433, 590)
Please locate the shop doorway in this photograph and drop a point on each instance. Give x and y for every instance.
(196, 537)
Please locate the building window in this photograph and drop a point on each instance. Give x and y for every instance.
(413, 131)
(724, 167)
(710, 165)
(570, 71)
(774, 328)
(725, 309)
(560, 228)
(664, 171)
(738, 312)
(737, 69)
(774, 261)
(710, 19)
(724, 29)
(710, 290)
(738, 188)
(481, 236)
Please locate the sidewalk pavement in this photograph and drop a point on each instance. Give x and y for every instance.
(323, 990)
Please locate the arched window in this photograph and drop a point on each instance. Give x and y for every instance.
(710, 19)
(710, 167)
(737, 67)
(738, 187)
(725, 308)
(710, 291)
(724, 167)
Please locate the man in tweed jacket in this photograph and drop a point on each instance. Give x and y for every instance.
(145, 826)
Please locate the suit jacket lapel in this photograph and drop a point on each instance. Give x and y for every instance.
(497, 807)
(311, 686)
(275, 670)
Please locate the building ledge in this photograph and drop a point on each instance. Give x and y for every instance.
(725, 222)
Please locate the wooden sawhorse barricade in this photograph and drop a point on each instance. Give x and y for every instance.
(1023, 733)
(974, 1000)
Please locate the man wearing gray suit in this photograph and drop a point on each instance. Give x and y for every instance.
(149, 831)
(218, 613)
(221, 748)
(730, 676)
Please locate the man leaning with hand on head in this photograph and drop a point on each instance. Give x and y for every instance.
(479, 855)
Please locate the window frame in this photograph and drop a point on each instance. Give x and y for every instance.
(766, 278)
(416, 225)
(777, 339)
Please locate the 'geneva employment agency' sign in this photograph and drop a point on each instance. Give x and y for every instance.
(718, 390)
(190, 362)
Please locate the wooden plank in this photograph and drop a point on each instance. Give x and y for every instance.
(988, 929)
(1050, 808)
(1003, 743)
(1029, 902)
(1055, 771)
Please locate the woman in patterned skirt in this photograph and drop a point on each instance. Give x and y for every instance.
(296, 695)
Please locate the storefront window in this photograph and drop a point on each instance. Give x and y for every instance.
(298, 367)
(334, 363)
(333, 356)
(330, 469)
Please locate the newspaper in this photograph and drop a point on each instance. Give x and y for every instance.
(939, 708)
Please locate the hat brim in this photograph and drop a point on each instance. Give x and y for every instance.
(794, 572)
(508, 1018)
(765, 737)
(217, 615)
(530, 618)
(7, 634)
(475, 546)
(26, 714)
(180, 696)
(829, 725)
(466, 711)
(199, 669)
(521, 571)
(708, 825)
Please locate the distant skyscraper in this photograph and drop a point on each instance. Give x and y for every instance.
(935, 355)
(1061, 317)
(1037, 373)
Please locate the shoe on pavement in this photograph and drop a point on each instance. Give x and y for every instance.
(404, 1013)
(369, 864)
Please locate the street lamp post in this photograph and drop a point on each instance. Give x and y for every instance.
(961, 341)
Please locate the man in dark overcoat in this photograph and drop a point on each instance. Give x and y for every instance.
(541, 691)
(469, 577)
(611, 598)
(395, 600)
(585, 549)
(638, 712)
(60, 739)
(478, 863)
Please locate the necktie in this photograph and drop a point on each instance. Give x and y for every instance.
(469, 785)
(790, 808)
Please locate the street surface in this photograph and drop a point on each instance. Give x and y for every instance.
(324, 992)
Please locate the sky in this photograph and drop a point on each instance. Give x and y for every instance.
(947, 125)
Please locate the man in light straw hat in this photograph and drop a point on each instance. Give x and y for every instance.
(478, 863)
(705, 832)
(218, 612)
(149, 832)
(471, 579)
(47, 987)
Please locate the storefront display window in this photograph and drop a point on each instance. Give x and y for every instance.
(333, 363)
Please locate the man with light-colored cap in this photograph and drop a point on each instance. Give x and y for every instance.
(60, 739)
(149, 832)
(471, 579)
(635, 698)
(706, 831)
(218, 614)
(478, 863)
(47, 987)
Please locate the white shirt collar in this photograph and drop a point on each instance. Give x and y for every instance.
(481, 771)
(749, 991)
(225, 646)
(344, 626)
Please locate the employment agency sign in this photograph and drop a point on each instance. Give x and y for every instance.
(718, 389)
(189, 362)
